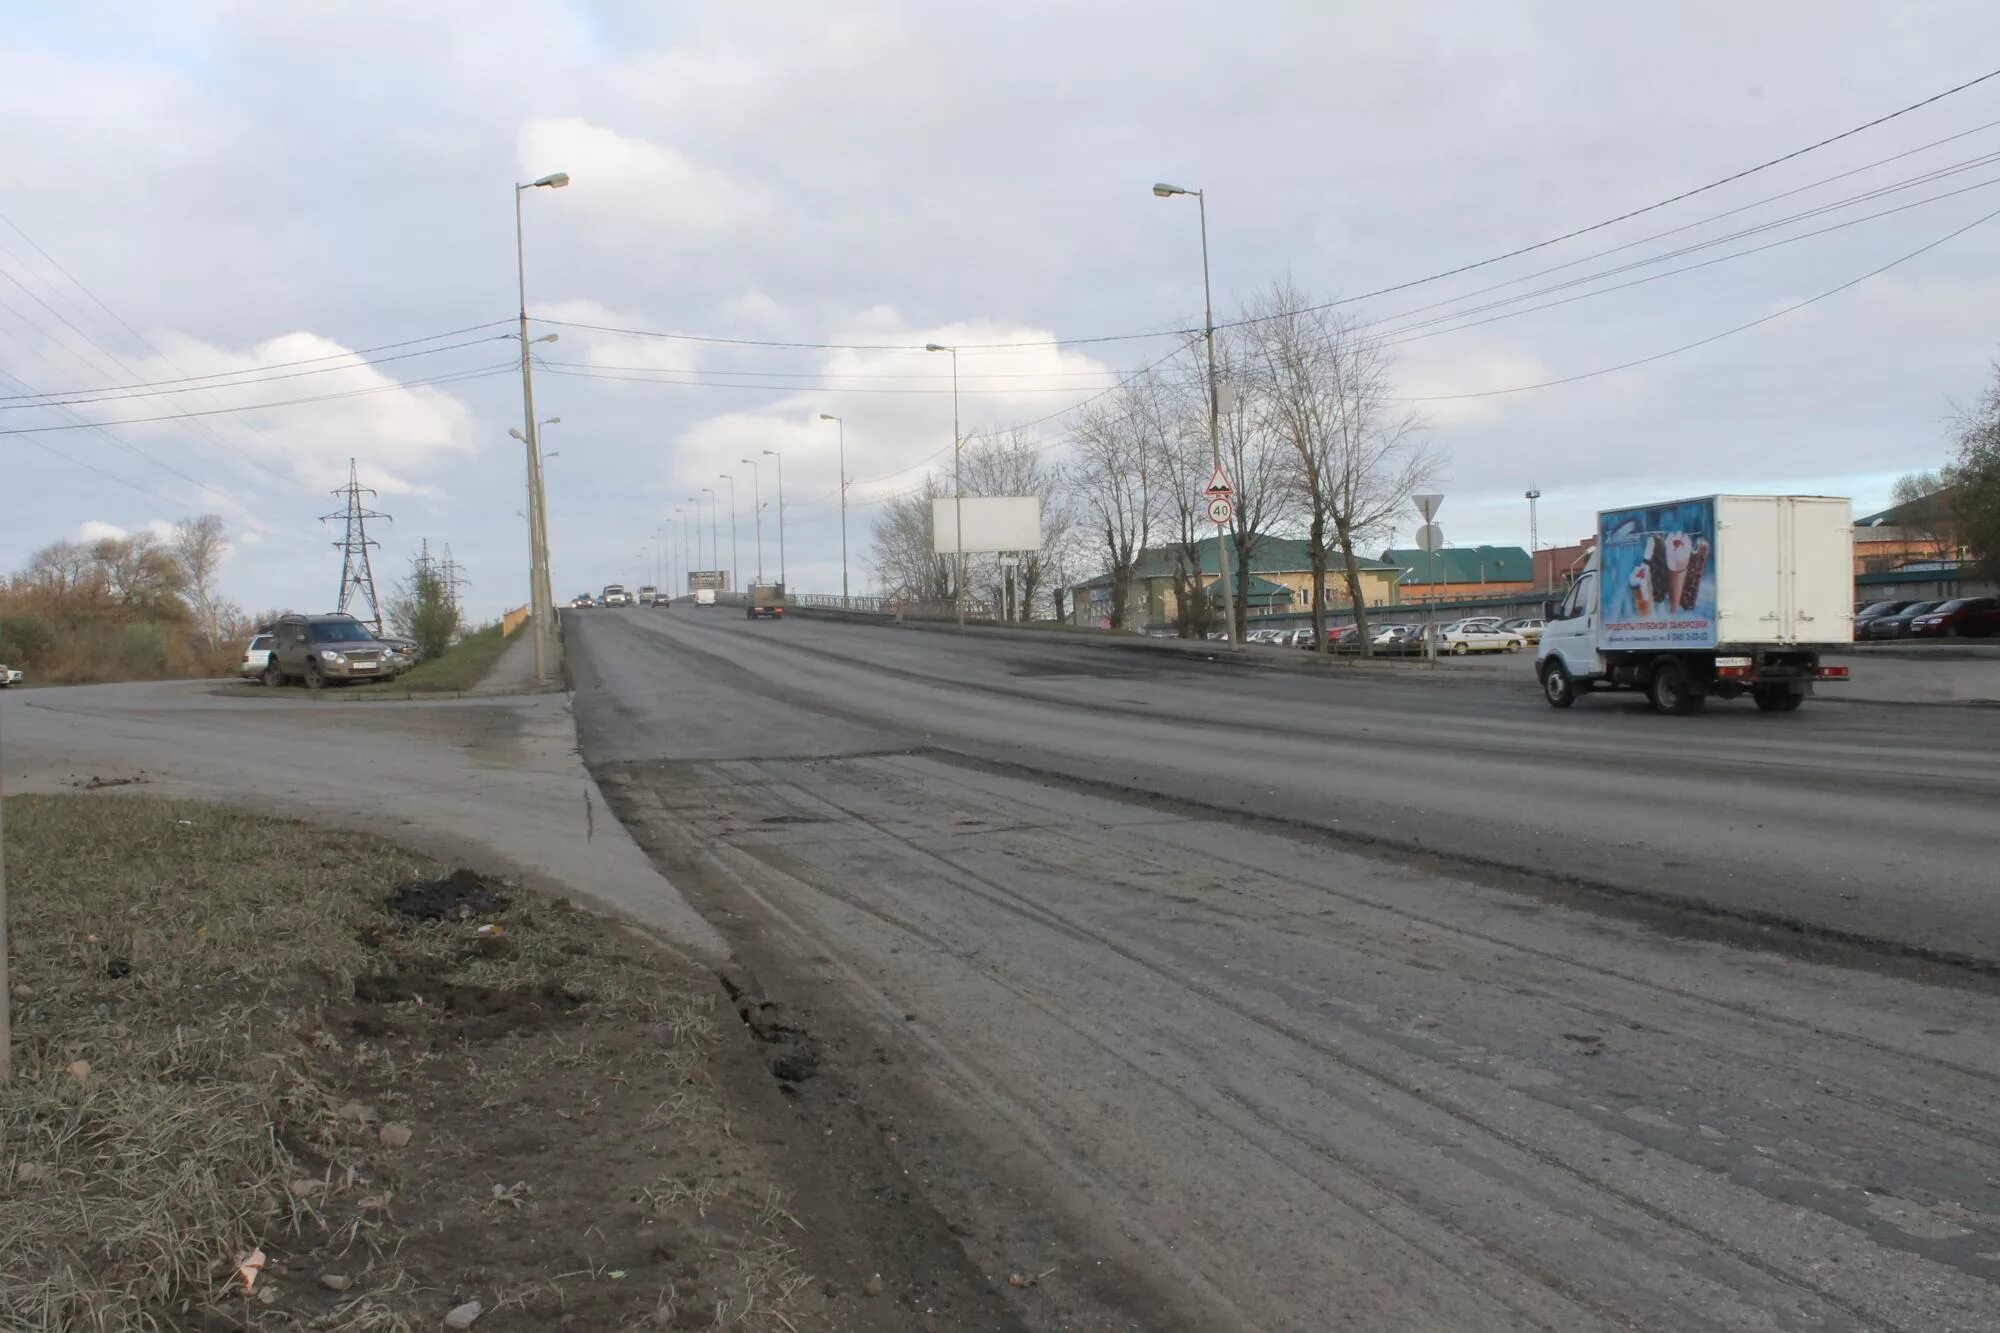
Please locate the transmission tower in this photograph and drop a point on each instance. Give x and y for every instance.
(1534, 528)
(453, 580)
(357, 574)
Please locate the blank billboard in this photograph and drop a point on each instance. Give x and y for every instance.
(992, 523)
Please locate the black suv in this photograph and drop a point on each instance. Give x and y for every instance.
(325, 649)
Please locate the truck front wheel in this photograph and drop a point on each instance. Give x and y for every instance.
(1670, 692)
(1557, 687)
(1776, 698)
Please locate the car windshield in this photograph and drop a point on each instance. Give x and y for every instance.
(1956, 604)
(340, 631)
(1919, 609)
(1881, 608)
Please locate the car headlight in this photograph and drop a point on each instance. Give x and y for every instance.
(332, 656)
(1928, 620)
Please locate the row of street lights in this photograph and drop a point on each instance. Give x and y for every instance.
(541, 595)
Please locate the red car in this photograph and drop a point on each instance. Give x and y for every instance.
(1962, 617)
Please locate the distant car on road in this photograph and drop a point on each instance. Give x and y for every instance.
(582, 601)
(321, 650)
(1961, 617)
(1896, 624)
(646, 594)
(704, 597)
(767, 602)
(256, 657)
(615, 595)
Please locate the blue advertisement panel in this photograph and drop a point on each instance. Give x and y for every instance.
(1657, 589)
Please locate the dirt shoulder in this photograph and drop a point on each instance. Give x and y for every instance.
(396, 1090)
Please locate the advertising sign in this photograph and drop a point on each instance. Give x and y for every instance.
(992, 523)
(1657, 588)
(712, 580)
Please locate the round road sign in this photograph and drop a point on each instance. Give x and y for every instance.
(1219, 510)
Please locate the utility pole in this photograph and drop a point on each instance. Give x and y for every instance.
(714, 537)
(541, 599)
(735, 554)
(1534, 527)
(957, 482)
(781, 515)
(448, 574)
(357, 572)
(1166, 191)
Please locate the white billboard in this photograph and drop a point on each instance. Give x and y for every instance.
(992, 523)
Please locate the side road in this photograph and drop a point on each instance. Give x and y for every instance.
(467, 779)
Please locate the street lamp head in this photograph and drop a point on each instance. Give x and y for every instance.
(769, 453)
(936, 347)
(1166, 191)
(555, 180)
(549, 338)
(552, 421)
(828, 416)
(515, 432)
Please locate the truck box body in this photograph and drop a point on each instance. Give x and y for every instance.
(1726, 570)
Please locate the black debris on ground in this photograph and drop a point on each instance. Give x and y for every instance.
(459, 896)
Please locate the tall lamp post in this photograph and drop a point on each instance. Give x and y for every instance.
(757, 514)
(773, 453)
(957, 481)
(1166, 191)
(541, 600)
(735, 555)
(714, 540)
(687, 565)
(537, 515)
(841, 427)
(697, 527)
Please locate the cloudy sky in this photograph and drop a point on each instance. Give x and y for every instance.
(225, 202)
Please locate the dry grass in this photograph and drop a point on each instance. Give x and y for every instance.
(190, 1086)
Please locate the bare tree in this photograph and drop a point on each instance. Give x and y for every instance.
(1927, 513)
(902, 553)
(1260, 465)
(1172, 419)
(139, 572)
(199, 545)
(1011, 463)
(1115, 492)
(1323, 386)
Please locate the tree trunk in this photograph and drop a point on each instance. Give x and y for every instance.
(1316, 552)
(1354, 594)
(1241, 573)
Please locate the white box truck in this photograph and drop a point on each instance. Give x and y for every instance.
(1720, 596)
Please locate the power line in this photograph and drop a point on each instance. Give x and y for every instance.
(1713, 337)
(455, 377)
(1513, 253)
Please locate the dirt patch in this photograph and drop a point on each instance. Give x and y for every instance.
(459, 896)
(229, 1045)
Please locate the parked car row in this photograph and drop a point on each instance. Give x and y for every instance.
(1956, 617)
(1475, 634)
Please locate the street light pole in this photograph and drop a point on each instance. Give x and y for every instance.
(735, 553)
(781, 514)
(1166, 191)
(841, 427)
(541, 601)
(757, 514)
(714, 537)
(686, 565)
(957, 481)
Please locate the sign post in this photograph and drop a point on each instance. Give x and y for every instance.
(1431, 538)
(1220, 511)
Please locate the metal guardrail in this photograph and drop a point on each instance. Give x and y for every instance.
(834, 602)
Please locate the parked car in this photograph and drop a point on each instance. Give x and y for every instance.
(1961, 617)
(1896, 624)
(9, 675)
(1481, 622)
(1528, 627)
(1399, 639)
(256, 656)
(320, 650)
(1265, 635)
(1470, 637)
(1876, 610)
(615, 595)
(402, 654)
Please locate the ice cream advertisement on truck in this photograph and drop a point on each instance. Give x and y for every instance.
(1657, 586)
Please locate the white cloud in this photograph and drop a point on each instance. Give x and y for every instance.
(97, 530)
(639, 185)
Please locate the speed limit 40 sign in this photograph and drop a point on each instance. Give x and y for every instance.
(1220, 510)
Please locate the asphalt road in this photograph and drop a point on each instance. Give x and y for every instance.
(1211, 997)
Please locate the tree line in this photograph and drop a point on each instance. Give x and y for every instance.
(1310, 434)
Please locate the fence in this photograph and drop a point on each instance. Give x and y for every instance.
(512, 621)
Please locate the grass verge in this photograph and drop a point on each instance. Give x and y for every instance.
(228, 1041)
(460, 669)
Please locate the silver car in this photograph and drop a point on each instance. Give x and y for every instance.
(256, 657)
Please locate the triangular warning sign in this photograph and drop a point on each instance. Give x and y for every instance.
(1218, 485)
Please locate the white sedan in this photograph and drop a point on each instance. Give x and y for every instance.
(9, 676)
(1461, 639)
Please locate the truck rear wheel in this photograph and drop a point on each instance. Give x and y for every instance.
(1670, 691)
(1557, 687)
(1776, 698)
